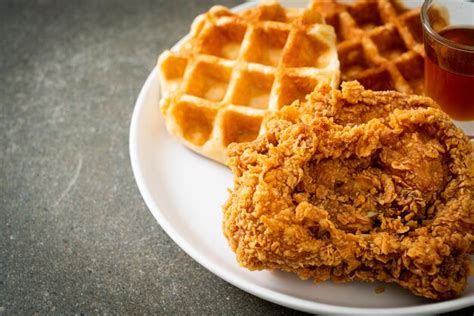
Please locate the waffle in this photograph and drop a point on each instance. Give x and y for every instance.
(235, 67)
(379, 43)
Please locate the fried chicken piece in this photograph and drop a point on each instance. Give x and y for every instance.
(357, 185)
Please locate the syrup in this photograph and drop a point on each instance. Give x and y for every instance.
(449, 73)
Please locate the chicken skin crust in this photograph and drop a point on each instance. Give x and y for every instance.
(356, 185)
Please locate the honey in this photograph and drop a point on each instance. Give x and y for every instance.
(449, 72)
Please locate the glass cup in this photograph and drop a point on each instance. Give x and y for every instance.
(448, 32)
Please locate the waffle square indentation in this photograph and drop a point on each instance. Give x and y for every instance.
(173, 67)
(412, 69)
(389, 43)
(222, 40)
(239, 127)
(377, 79)
(353, 60)
(208, 81)
(295, 88)
(413, 24)
(307, 51)
(366, 15)
(266, 46)
(253, 89)
(195, 122)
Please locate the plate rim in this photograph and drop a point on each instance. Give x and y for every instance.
(259, 291)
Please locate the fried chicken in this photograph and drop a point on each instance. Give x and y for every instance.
(357, 185)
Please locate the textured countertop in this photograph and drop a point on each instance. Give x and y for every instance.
(75, 234)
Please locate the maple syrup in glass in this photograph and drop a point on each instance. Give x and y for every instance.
(448, 28)
(449, 76)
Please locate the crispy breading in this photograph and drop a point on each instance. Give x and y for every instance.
(357, 185)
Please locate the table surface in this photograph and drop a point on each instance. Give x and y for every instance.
(75, 234)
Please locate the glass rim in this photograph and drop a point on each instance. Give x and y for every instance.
(427, 27)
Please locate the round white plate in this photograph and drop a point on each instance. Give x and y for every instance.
(185, 192)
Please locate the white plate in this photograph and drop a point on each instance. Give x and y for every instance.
(185, 192)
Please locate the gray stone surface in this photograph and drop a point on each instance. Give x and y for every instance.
(75, 235)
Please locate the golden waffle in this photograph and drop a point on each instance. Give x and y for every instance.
(379, 43)
(234, 67)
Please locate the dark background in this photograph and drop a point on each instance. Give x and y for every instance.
(75, 234)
